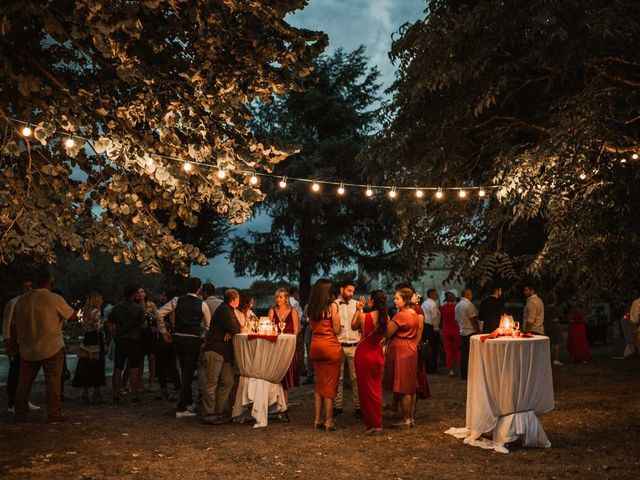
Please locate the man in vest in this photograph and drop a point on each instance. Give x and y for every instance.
(191, 314)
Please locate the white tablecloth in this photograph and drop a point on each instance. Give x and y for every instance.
(509, 383)
(262, 365)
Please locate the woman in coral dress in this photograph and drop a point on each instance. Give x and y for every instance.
(450, 332)
(282, 312)
(577, 342)
(369, 358)
(401, 372)
(326, 352)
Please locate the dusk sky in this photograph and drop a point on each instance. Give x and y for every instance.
(349, 24)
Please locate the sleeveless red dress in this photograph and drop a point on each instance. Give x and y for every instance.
(369, 362)
(577, 342)
(292, 377)
(326, 356)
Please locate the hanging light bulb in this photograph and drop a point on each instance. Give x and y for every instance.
(283, 183)
(368, 192)
(419, 193)
(583, 176)
(187, 167)
(26, 131)
(633, 157)
(481, 192)
(341, 189)
(253, 180)
(439, 194)
(315, 187)
(393, 193)
(519, 189)
(462, 193)
(221, 174)
(623, 160)
(69, 142)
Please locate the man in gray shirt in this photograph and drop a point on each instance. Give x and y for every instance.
(533, 316)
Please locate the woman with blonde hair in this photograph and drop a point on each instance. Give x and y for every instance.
(282, 313)
(91, 353)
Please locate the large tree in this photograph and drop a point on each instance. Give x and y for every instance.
(541, 98)
(155, 84)
(313, 232)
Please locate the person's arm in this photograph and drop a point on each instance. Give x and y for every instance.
(168, 307)
(420, 329)
(392, 327)
(296, 321)
(437, 317)
(229, 321)
(206, 316)
(335, 318)
(473, 317)
(356, 321)
(271, 313)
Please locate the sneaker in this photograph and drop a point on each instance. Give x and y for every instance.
(33, 407)
(558, 362)
(11, 410)
(185, 414)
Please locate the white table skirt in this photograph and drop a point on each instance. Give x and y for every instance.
(262, 365)
(509, 383)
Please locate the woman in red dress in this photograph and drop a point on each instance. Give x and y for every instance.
(577, 342)
(450, 332)
(401, 370)
(326, 352)
(282, 312)
(369, 358)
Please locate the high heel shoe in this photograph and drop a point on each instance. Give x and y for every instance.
(318, 426)
(329, 427)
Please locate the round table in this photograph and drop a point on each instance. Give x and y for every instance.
(262, 364)
(509, 383)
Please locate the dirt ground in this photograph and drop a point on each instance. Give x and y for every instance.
(594, 431)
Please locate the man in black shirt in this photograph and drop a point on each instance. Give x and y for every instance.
(217, 358)
(491, 310)
(126, 322)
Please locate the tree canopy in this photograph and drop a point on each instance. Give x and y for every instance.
(311, 233)
(541, 98)
(155, 84)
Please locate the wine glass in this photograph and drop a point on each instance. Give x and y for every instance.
(282, 325)
(516, 328)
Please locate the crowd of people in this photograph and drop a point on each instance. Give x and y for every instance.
(378, 345)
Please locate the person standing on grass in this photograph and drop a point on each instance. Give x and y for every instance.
(348, 339)
(491, 310)
(192, 317)
(467, 320)
(450, 332)
(90, 369)
(533, 316)
(431, 331)
(38, 317)
(125, 323)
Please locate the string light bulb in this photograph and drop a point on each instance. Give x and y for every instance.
(462, 193)
(439, 194)
(253, 180)
(283, 183)
(315, 187)
(519, 189)
(623, 160)
(393, 193)
(583, 176)
(368, 192)
(69, 142)
(341, 189)
(187, 167)
(633, 157)
(481, 193)
(221, 174)
(26, 131)
(419, 193)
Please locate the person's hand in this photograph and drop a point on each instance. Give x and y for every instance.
(227, 337)
(167, 337)
(361, 303)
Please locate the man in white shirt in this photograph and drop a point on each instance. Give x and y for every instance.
(467, 320)
(533, 316)
(348, 339)
(431, 332)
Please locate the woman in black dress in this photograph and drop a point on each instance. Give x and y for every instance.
(91, 353)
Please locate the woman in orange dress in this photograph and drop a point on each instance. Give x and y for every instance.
(401, 369)
(326, 352)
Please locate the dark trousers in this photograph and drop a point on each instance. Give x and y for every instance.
(12, 379)
(166, 366)
(433, 339)
(465, 343)
(53, 368)
(302, 365)
(187, 351)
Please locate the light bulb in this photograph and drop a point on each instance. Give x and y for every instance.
(583, 176)
(26, 131)
(634, 156)
(623, 160)
(221, 174)
(69, 142)
(341, 189)
(187, 167)
(392, 193)
(439, 194)
(519, 189)
(419, 193)
(149, 162)
(481, 192)
(253, 180)
(315, 187)
(462, 194)
(283, 183)
(368, 192)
